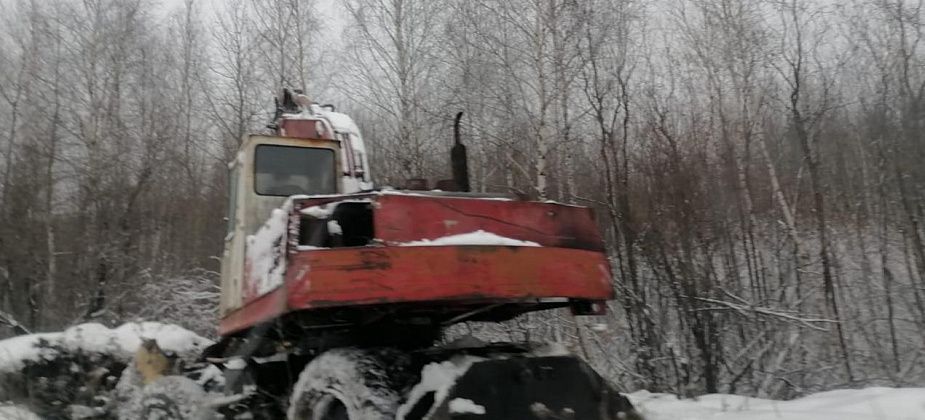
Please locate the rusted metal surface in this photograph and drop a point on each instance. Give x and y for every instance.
(257, 311)
(570, 263)
(406, 218)
(305, 129)
(353, 276)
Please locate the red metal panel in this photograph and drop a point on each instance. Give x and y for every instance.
(305, 129)
(405, 218)
(352, 276)
(571, 263)
(262, 309)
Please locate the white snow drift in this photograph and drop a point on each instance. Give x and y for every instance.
(14, 412)
(465, 406)
(848, 404)
(92, 337)
(438, 378)
(265, 251)
(479, 237)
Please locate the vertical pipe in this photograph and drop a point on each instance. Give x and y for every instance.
(458, 158)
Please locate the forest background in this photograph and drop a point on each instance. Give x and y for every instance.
(755, 165)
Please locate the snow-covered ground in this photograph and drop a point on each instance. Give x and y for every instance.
(74, 373)
(12, 412)
(849, 404)
(852, 404)
(97, 338)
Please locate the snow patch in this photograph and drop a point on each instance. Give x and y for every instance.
(351, 184)
(562, 204)
(334, 228)
(598, 327)
(266, 252)
(324, 211)
(236, 363)
(310, 247)
(340, 122)
(121, 342)
(15, 412)
(851, 404)
(438, 378)
(465, 406)
(182, 394)
(318, 212)
(479, 237)
(14, 352)
(413, 193)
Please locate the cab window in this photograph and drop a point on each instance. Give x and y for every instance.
(289, 170)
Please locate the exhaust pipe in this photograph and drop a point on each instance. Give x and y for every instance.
(458, 159)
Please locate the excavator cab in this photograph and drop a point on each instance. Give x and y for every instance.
(314, 151)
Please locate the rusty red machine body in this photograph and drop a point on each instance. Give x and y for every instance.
(311, 241)
(557, 258)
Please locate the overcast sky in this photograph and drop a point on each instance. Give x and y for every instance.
(331, 12)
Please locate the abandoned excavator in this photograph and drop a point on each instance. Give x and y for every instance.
(336, 294)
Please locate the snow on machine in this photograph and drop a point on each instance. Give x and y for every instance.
(333, 306)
